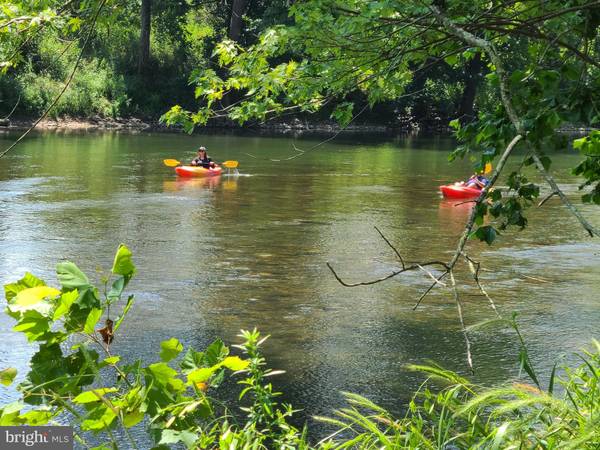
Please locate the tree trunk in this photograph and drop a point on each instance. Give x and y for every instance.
(236, 22)
(234, 33)
(146, 16)
(466, 110)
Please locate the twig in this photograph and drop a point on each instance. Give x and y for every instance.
(462, 321)
(387, 277)
(13, 110)
(550, 180)
(546, 198)
(430, 275)
(392, 247)
(474, 266)
(424, 294)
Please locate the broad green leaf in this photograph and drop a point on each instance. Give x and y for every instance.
(64, 303)
(8, 375)
(93, 395)
(70, 277)
(201, 375)
(92, 319)
(33, 324)
(99, 419)
(112, 360)
(33, 299)
(192, 360)
(170, 349)
(165, 376)
(215, 352)
(36, 418)
(173, 437)
(133, 418)
(28, 281)
(9, 414)
(122, 264)
(235, 363)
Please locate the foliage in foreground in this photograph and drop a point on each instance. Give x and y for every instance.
(75, 373)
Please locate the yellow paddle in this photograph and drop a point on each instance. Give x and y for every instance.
(230, 164)
(488, 168)
(171, 162)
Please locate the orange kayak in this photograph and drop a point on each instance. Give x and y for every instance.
(196, 171)
(459, 191)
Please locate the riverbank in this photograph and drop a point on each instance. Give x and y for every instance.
(294, 125)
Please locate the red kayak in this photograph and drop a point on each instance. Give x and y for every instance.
(198, 171)
(459, 191)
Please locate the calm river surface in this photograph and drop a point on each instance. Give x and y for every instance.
(215, 256)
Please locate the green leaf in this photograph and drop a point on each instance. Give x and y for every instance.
(33, 299)
(343, 113)
(119, 321)
(165, 376)
(170, 349)
(100, 418)
(33, 324)
(112, 360)
(8, 375)
(64, 303)
(486, 233)
(201, 375)
(235, 363)
(36, 418)
(173, 437)
(92, 319)
(28, 281)
(32, 296)
(192, 360)
(70, 277)
(133, 418)
(122, 264)
(117, 289)
(93, 395)
(9, 414)
(215, 353)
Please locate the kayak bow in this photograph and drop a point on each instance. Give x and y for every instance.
(459, 191)
(197, 171)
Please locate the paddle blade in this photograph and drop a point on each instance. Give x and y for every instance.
(171, 162)
(230, 164)
(488, 168)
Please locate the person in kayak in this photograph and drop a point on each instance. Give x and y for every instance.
(202, 159)
(477, 181)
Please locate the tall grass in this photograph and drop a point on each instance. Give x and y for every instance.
(463, 415)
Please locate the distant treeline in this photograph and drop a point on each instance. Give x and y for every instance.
(140, 60)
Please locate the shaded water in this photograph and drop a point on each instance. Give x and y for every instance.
(218, 255)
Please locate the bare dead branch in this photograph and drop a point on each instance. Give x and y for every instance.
(546, 198)
(387, 277)
(392, 247)
(474, 267)
(430, 275)
(462, 321)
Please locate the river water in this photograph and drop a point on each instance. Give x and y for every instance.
(218, 255)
